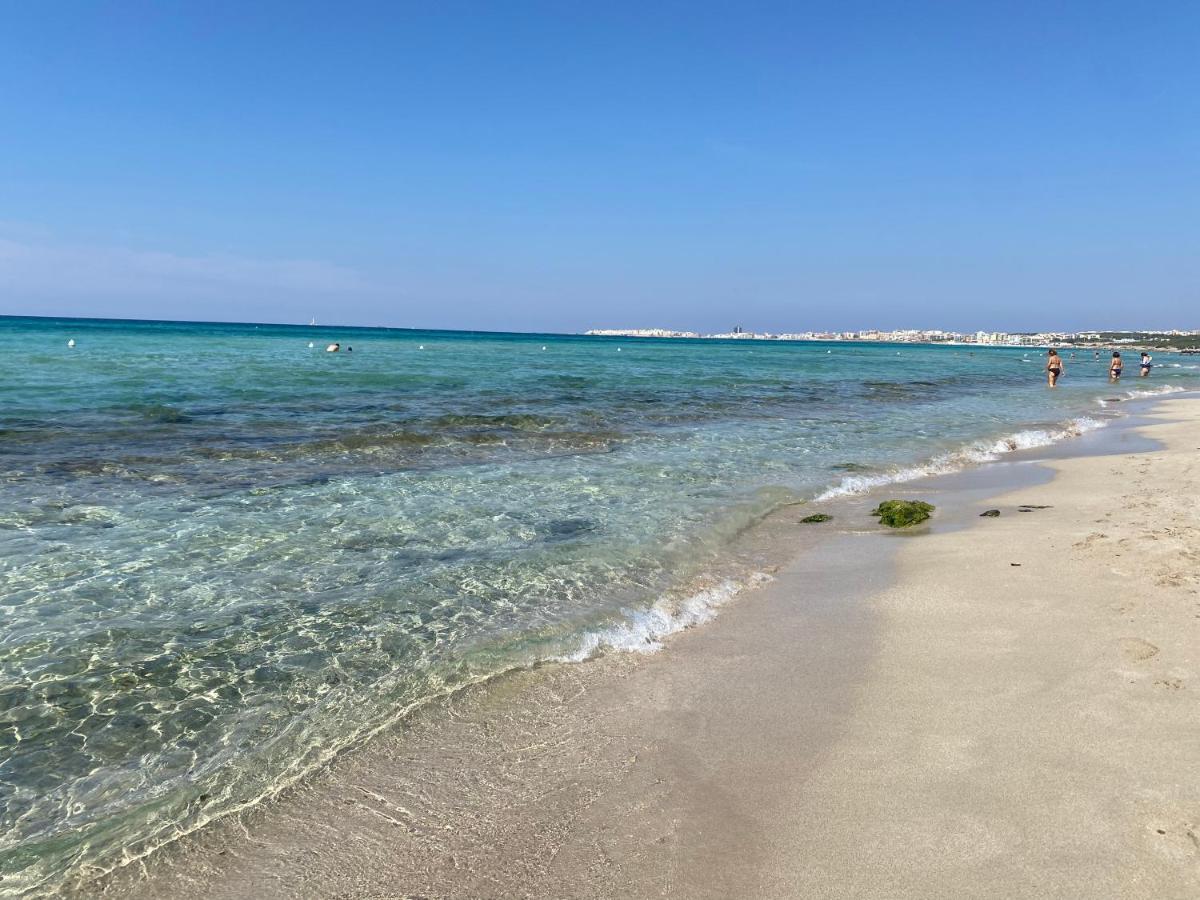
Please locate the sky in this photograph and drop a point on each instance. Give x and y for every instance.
(566, 165)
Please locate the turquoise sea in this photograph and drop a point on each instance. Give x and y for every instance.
(225, 554)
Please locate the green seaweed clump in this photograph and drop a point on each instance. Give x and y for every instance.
(815, 518)
(902, 513)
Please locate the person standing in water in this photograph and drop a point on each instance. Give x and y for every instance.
(1054, 367)
(1146, 366)
(1114, 368)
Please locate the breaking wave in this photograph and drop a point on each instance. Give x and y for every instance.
(1139, 393)
(974, 453)
(644, 630)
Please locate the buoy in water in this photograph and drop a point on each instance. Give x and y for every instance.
(422, 347)
(71, 342)
(310, 345)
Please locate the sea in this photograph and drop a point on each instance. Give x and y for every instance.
(227, 554)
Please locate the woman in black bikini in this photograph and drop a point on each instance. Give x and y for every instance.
(1054, 367)
(1114, 368)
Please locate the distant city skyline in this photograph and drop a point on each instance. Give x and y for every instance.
(1081, 337)
(547, 167)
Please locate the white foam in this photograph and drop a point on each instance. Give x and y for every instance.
(643, 630)
(957, 460)
(1138, 393)
(1141, 393)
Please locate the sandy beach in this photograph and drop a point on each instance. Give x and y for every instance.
(586, 451)
(989, 707)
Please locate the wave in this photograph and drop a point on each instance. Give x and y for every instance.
(643, 630)
(1138, 393)
(956, 460)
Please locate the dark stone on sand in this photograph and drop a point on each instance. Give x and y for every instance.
(990, 513)
(902, 513)
(815, 518)
(1030, 507)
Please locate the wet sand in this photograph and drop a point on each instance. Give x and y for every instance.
(988, 707)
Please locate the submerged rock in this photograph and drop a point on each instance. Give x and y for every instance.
(990, 513)
(567, 529)
(902, 513)
(816, 517)
(851, 467)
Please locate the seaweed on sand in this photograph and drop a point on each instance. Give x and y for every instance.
(902, 513)
(815, 518)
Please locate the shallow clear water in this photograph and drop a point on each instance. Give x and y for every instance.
(224, 555)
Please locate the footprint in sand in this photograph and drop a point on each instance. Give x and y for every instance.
(1170, 684)
(1138, 650)
(1179, 843)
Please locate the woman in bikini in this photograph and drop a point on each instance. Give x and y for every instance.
(1115, 367)
(1054, 367)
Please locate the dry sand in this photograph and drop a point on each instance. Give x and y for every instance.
(1010, 708)
(1031, 724)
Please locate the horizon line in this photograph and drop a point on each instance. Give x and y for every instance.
(550, 333)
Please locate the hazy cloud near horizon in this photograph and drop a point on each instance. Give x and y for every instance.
(47, 277)
(43, 275)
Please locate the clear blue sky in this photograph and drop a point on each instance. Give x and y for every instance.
(564, 165)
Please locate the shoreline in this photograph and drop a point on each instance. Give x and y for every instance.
(577, 750)
(677, 609)
(682, 606)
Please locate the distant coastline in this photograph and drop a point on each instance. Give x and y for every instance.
(1161, 340)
